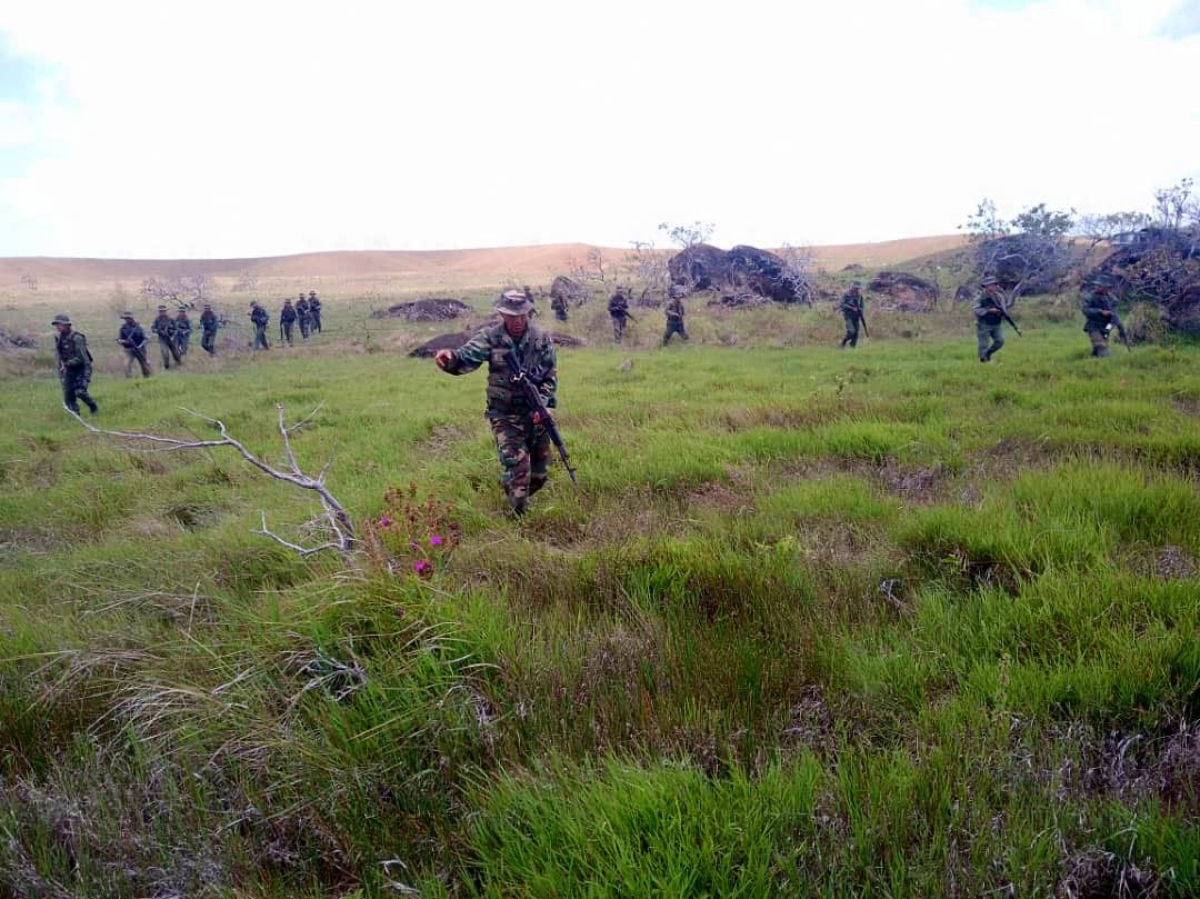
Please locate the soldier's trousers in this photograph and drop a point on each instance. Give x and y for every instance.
(674, 326)
(182, 342)
(260, 337)
(138, 357)
(618, 327)
(169, 352)
(305, 327)
(287, 332)
(75, 388)
(1099, 340)
(524, 451)
(316, 322)
(851, 329)
(991, 339)
(208, 342)
(561, 314)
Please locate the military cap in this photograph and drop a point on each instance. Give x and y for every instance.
(988, 281)
(1103, 279)
(208, 305)
(126, 314)
(856, 283)
(61, 319)
(513, 302)
(162, 308)
(254, 302)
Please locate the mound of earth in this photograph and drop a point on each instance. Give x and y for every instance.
(567, 290)
(453, 341)
(428, 310)
(16, 341)
(905, 292)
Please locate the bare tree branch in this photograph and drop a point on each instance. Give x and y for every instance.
(333, 519)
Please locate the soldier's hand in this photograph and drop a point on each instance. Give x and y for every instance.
(537, 418)
(441, 357)
(1107, 313)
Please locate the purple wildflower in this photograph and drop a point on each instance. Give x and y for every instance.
(436, 540)
(384, 522)
(420, 567)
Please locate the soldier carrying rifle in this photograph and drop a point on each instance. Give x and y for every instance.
(133, 341)
(1100, 309)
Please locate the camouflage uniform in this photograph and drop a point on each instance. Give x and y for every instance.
(1099, 308)
(675, 312)
(164, 327)
(74, 366)
(851, 308)
(183, 332)
(208, 331)
(260, 318)
(314, 311)
(559, 304)
(287, 319)
(618, 308)
(133, 340)
(523, 446)
(305, 315)
(988, 323)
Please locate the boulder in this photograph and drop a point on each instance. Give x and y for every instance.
(1161, 266)
(741, 269)
(700, 267)
(568, 291)
(905, 292)
(427, 310)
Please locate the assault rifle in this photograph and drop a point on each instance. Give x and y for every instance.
(1122, 335)
(999, 307)
(863, 321)
(537, 403)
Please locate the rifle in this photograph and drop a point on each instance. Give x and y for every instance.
(139, 352)
(1115, 321)
(533, 396)
(1008, 318)
(863, 320)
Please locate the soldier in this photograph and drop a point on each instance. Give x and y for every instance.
(989, 318)
(74, 365)
(618, 310)
(260, 318)
(558, 303)
(287, 319)
(133, 341)
(314, 311)
(1099, 308)
(852, 310)
(521, 440)
(674, 311)
(208, 330)
(305, 315)
(183, 331)
(164, 326)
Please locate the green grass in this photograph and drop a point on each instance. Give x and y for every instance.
(873, 623)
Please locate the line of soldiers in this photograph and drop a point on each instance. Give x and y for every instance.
(306, 312)
(618, 311)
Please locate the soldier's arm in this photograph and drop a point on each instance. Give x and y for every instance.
(547, 369)
(78, 349)
(469, 356)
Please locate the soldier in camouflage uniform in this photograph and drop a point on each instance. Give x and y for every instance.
(164, 327)
(133, 340)
(260, 318)
(1099, 308)
(558, 303)
(314, 311)
(208, 330)
(183, 331)
(674, 311)
(74, 365)
(521, 439)
(851, 308)
(287, 320)
(989, 321)
(305, 315)
(618, 309)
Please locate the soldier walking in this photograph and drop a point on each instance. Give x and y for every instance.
(674, 311)
(522, 442)
(558, 303)
(208, 330)
(1100, 309)
(260, 318)
(74, 365)
(287, 320)
(618, 310)
(304, 313)
(314, 311)
(133, 341)
(989, 318)
(183, 331)
(164, 327)
(851, 308)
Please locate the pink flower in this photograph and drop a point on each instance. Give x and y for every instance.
(412, 544)
(436, 540)
(384, 522)
(399, 611)
(420, 567)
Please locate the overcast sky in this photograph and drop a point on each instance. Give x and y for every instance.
(249, 128)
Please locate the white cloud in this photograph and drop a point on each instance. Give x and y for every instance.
(224, 129)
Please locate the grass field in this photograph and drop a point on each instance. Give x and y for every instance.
(884, 622)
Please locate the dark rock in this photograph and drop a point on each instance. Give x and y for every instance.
(568, 291)
(428, 310)
(1161, 266)
(905, 292)
(700, 267)
(741, 269)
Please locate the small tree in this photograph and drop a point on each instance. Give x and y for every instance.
(648, 267)
(686, 236)
(29, 282)
(799, 265)
(1028, 253)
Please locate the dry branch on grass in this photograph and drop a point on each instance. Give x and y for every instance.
(333, 518)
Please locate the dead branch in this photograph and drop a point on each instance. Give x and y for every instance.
(333, 518)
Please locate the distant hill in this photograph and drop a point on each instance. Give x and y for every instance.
(412, 269)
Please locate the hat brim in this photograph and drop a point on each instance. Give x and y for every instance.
(524, 307)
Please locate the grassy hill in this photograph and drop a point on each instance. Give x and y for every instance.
(875, 622)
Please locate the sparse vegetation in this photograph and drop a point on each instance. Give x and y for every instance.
(881, 623)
